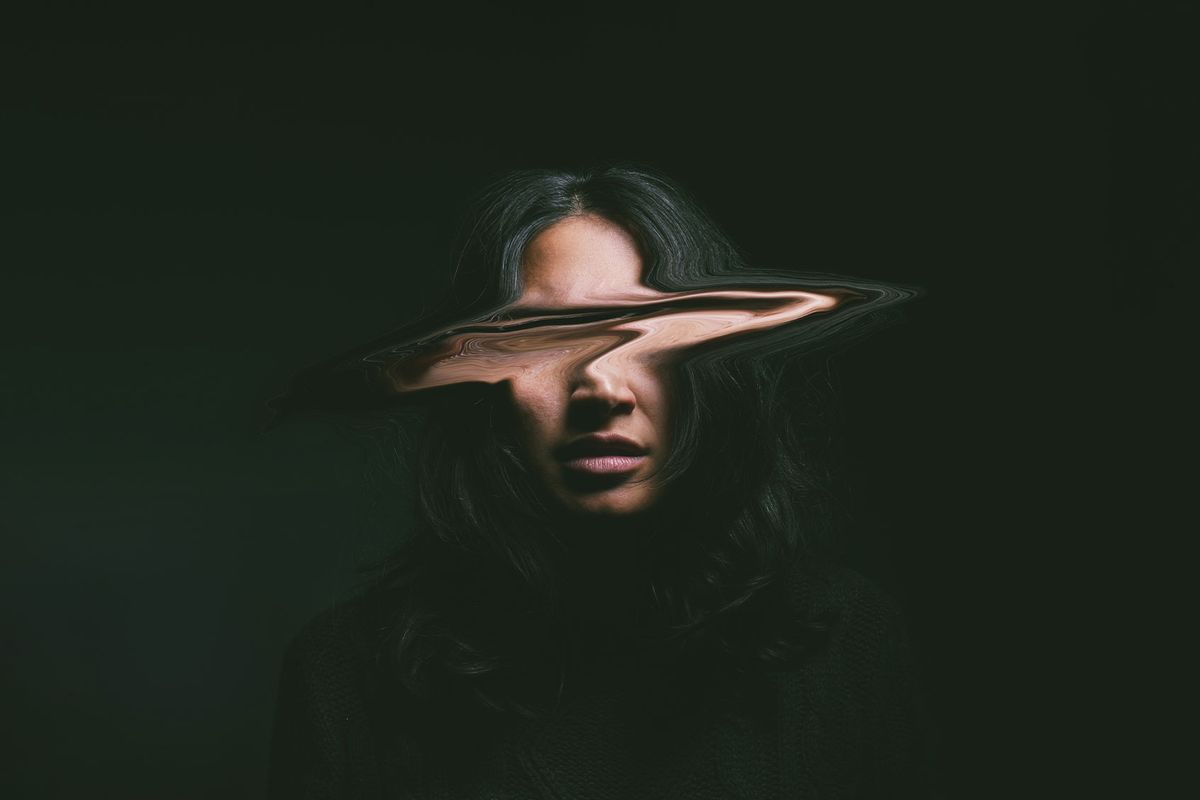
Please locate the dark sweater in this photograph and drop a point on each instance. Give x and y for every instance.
(844, 723)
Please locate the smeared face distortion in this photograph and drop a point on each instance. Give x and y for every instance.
(586, 351)
(593, 418)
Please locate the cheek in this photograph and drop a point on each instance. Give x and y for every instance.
(536, 408)
(656, 399)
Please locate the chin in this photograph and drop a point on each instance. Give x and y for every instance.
(614, 503)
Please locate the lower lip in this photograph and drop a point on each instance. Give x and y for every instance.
(605, 465)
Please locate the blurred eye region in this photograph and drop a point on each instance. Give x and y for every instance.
(667, 327)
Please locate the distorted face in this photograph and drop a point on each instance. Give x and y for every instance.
(593, 422)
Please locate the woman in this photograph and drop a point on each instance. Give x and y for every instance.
(613, 589)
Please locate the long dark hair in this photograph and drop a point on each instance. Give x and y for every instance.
(476, 594)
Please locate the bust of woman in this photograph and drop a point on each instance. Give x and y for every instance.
(613, 588)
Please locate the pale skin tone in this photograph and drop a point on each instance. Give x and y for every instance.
(607, 377)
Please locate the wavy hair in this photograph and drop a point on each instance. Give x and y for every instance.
(476, 594)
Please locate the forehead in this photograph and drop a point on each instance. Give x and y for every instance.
(582, 260)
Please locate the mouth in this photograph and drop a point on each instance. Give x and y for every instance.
(602, 454)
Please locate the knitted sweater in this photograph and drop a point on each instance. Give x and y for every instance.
(844, 723)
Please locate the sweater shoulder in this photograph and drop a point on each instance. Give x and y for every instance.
(336, 648)
(323, 737)
(850, 594)
(863, 690)
(867, 632)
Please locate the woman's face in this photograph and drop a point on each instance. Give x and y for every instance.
(593, 424)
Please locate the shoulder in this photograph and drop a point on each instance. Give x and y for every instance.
(347, 622)
(862, 691)
(335, 642)
(867, 650)
(323, 737)
(327, 666)
(860, 609)
(837, 594)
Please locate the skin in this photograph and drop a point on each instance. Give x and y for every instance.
(611, 376)
(581, 261)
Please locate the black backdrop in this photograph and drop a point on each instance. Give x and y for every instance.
(196, 205)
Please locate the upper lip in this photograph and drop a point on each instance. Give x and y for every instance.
(600, 444)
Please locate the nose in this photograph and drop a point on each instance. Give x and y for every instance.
(599, 389)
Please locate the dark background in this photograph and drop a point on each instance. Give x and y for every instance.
(196, 204)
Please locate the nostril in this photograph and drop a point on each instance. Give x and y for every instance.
(623, 406)
(585, 410)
